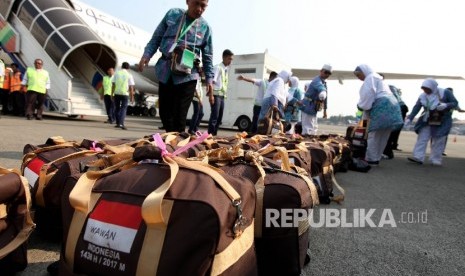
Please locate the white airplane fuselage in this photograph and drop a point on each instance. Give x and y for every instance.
(127, 41)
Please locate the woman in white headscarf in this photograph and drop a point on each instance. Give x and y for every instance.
(291, 111)
(381, 109)
(275, 94)
(434, 123)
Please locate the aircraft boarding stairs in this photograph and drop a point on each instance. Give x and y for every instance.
(83, 98)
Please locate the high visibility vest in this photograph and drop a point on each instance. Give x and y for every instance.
(2, 72)
(121, 80)
(15, 82)
(106, 85)
(224, 84)
(37, 80)
(7, 79)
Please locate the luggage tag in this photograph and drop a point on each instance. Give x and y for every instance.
(187, 59)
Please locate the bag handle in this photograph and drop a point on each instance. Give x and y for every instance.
(110, 160)
(44, 178)
(281, 155)
(28, 156)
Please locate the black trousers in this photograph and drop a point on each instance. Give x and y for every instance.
(18, 99)
(256, 112)
(393, 141)
(35, 100)
(174, 101)
(4, 95)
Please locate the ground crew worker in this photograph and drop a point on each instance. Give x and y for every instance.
(122, 89)
(105, 90)
(17, 95)
(3, 95)
(220, 87)
(37, 82)
(6, 90)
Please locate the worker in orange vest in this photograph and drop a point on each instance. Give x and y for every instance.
(17, 95)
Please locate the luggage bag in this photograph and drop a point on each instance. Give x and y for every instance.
(163, 216)
(15, 221)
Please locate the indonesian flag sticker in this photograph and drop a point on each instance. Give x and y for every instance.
(32, 170)
(113, 225)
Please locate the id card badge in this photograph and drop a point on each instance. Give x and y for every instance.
(172, 47)
(187, 59)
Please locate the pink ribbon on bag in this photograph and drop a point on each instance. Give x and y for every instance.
(159, 143)
(94, 148)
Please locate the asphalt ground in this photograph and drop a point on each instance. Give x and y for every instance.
(414, 214)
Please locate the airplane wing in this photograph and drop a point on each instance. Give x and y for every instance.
(143, 83)
(341, 75)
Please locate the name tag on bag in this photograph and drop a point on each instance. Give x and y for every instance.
(187, 59)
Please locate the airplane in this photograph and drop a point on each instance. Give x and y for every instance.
(126, 40)
(341, 75)
(79, 42)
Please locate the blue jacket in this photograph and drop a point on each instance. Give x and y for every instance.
(311, 96)
(446, 123)
(199, 37)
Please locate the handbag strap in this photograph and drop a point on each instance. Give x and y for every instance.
(179, 28)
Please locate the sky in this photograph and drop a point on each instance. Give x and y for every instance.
(403, 36)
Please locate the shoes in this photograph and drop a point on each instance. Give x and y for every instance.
(373, 163)
(123, 127)
(116, 126)
(414, 160)
(29, 117)
(108, 122)
(434, 164)
(387, 157)
(39, 118)
(444, 154)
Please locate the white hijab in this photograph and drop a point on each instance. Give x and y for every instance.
(277, 87)
(373, 87)
(430, 101)
(294, 85)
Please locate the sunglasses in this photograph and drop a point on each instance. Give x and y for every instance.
(327, 72)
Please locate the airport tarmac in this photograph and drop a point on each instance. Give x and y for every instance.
(413, 214)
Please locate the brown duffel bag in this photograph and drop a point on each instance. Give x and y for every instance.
(322, 172)
(163, 216)
(271, 123)
(51, 141)
(15, 221)
(281, 249)
(47, 168)
(33, 160)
